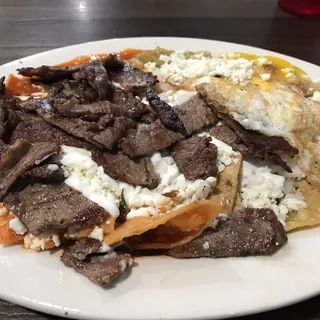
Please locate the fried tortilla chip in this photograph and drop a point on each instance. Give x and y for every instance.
(107, 226)
(169, 230)
(186, 226)
(306, 217)
(237, 203)
(226, 189)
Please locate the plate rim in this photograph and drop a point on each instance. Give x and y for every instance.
(24, 301)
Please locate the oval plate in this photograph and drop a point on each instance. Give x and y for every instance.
(161, 287)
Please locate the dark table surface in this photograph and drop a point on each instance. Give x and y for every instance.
(31, 26)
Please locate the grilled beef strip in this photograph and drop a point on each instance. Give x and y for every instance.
(53, 208)
(85, 247)
(226, 135)
(246, 232)
(147, 139)
(98, 108)
(196, 157)
(50, 74)
(137, 172)
(110, 136)
(2, 119)
(90, 131)
(76, 127)
(132, 79)
(97, 77)
(118, 166)
(195, 114)
(167, 114)
(34, 129)
(2, 87)
(99, 269)
(48, 173)
(21, 157)
(257, 144)
(2, 148)
(133, 107)
(71, 92)
(153, 135)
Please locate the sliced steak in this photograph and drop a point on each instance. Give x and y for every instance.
(134, 108)
(2, 148)
(2, 87)
(37, 130)
(98, 108)
(167, 115)
(71, 92)
(49, 74)
(100, 270)
(246, 232)
(147, 139)
(196, 157)
(110, 136)
(91, 131)
(226, 135)
(2, 118)
(48, 173)
(21, 157)
(85, 247)
(97, 77)
(195, 114)
(148, 118)
(33, 104)
(132, 79)
(138, 172)
(259, 145)
(53, 208)
(117, 166)
(76, 127)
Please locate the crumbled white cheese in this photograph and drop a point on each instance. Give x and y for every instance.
(206, 245)
(260, 188)
(72, 232)
(17, 226)
(56, 240)
(144, 211)
(316, 96)
(176, 67)
(178, 97)
(40, 243)
(265, 76)
(261, 61)
(226, 155)
(43, 159)
(87, 177)
(53, 167)
(97, 233)
(90, 179)
(34, 243)
(287, 70)
(123, 265)
(3, 211)
(104, 248)
(117, 85)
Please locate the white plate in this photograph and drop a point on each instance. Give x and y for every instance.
(161, 287)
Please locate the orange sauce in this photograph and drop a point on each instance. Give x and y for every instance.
(20, 87)
(124, 54)
(83, 59)
(7, 235)
(130, 53)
